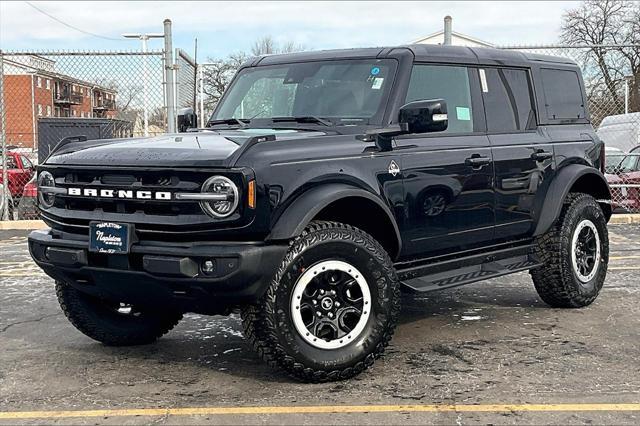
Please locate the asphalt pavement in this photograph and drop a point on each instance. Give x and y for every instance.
(490, 352)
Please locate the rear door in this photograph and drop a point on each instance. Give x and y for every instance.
(447, 176)
(522, 153)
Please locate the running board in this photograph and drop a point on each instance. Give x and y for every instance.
(456, 272)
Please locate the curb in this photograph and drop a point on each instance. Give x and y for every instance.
(9, 225)
(618, 219)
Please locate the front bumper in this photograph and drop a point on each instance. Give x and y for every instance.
(161, 275)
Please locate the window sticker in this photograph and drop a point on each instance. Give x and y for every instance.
(375, 71)
(483, 81)
(463, 113)
(377, 83)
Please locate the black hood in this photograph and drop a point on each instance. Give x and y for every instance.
(193, 149)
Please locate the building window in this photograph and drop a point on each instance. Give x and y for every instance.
(74, 112)
(39, 110)
(38, 82)
(48, 84)
(48, 109)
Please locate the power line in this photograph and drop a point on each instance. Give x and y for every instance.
(71, 26)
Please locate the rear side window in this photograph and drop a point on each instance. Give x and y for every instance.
(450, 83)
(562, 94)
(508, 100)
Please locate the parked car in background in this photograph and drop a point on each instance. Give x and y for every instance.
(620, 131)
(28, 206)
(20, 170)
(622, 173)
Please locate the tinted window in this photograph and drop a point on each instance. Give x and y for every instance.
(508, 102)
(448, 83)
(562, 94)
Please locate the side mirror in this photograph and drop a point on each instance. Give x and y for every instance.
(187, 119)
(424, 116)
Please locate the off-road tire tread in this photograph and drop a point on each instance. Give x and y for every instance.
(77, 312)
(259, 330)
(551, 279)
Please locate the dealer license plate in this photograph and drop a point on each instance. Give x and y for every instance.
(109, 237)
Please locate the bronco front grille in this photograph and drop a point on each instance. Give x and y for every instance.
(73, 213)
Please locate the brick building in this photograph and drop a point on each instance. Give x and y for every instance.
(33, 89)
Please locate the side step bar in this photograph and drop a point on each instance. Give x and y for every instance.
(466, 270)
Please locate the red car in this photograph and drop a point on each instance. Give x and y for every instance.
(623, 175)
(20, 170)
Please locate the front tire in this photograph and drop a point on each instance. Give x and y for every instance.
(113, 323)
(575, 253)
(331, 308)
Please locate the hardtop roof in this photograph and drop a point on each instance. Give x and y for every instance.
(421, 53)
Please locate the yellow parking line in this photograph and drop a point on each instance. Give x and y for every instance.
(321, 409)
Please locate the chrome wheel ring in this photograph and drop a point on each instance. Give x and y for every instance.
(585, 250)
(330, 304)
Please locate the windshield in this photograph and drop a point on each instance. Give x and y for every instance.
(338, 92)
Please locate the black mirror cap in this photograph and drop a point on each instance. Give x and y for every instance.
(424, 116)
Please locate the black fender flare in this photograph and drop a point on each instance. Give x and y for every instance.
(305, 207)
(559, 188)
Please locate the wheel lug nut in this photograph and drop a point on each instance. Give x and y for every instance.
(314, 301)
(319, 314)
(321, 291)
(330, 315)
(337, 304)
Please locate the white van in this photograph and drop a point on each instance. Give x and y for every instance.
(620, 131)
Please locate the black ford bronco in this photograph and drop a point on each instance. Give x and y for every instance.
(325, 184)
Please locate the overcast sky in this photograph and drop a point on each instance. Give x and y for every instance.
(225, 27)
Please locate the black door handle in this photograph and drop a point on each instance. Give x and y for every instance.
(477, 161)
(541, 155)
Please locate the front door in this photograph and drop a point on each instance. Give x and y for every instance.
(447, 176)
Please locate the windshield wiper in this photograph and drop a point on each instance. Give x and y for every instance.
(227, 121)
(303, 119)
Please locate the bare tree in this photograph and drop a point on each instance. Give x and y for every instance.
(608, 22)
(268, 46)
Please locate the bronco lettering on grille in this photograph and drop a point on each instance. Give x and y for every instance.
(120, 193)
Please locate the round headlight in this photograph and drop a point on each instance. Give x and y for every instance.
(46, 180)
(224, 189)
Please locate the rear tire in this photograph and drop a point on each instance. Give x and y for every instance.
(112, 323)
(331, 308)
(575, 253)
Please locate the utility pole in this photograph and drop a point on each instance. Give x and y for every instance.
(4, 214)
(169, 68)
(145, 75)
(447, 30)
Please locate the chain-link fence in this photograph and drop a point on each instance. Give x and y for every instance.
(612, 83)
(49, 96)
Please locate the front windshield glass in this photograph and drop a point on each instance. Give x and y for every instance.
(342, 92)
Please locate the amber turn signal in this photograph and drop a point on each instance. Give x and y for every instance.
(251, 194)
